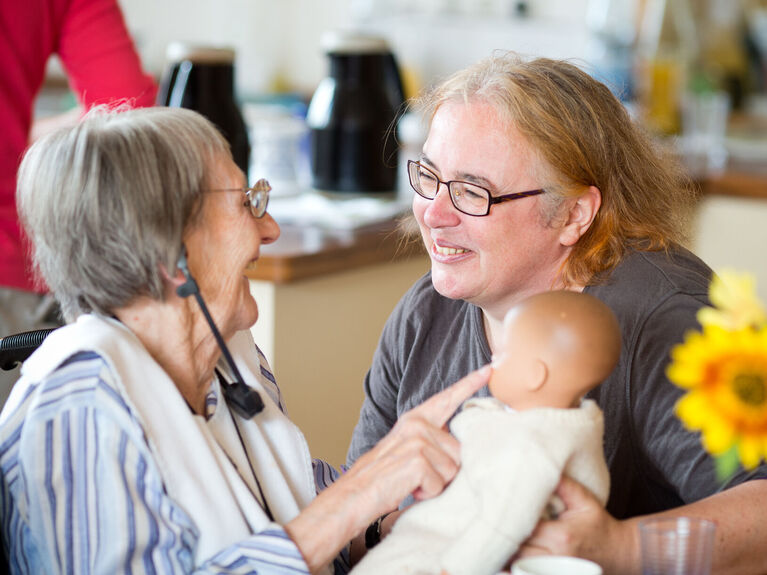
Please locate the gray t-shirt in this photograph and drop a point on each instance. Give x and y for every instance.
(430, 341)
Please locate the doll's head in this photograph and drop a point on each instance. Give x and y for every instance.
(556, 346)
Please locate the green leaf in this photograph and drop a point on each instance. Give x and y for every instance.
(727, 464)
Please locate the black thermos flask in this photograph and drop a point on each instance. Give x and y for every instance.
(351, 117)
(201, 78)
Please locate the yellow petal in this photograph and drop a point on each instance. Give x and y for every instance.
(692, 410)
(718, 435)
(710, 316)
(734, 295)
(750, 452)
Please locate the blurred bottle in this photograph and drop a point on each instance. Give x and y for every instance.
(757, 38)
(279, 152)
(667, 57)
(723, 56)
(611, 43)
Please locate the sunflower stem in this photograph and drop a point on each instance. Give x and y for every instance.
(727, 464)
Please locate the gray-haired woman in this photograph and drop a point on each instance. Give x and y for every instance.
(120, 451)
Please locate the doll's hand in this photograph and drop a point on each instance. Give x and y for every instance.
(585, 529)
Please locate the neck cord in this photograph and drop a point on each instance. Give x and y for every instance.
(264, 503)
(242, 398)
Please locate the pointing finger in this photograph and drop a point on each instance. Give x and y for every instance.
(440, 407)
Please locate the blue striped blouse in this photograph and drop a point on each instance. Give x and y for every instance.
(80, 491)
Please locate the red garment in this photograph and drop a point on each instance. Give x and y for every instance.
(96, 50)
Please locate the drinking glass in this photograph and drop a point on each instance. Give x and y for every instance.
(704, 127)
(679, 546)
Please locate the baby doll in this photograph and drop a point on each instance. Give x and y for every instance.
(516, 445)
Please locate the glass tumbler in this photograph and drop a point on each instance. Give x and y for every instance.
(678, 546)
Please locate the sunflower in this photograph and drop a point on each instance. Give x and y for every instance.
(725, 372)
(735, 300)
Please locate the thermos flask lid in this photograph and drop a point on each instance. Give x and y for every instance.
(351, 42)
(180, 51)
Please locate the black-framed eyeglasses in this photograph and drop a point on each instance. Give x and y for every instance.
(257, 197)
(468, 198)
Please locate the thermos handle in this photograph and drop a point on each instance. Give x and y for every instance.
(179, 86)
(168, 78)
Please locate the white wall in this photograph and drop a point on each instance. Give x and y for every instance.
(282, 38)
(431, 47)
(730, 232)
(270, 37)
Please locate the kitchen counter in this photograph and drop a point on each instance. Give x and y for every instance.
(739, 183)
(304, 252)
(745, 174)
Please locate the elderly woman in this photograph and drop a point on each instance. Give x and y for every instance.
(129, 445)
(534, 178)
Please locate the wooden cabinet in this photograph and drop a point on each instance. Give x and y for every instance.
(730, 224)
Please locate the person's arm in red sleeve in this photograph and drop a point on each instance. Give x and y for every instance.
(100, 58)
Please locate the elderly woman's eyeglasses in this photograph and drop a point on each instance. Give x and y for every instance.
(467, 198)
(257, 197)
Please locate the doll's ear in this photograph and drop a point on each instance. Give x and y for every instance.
(539, 372)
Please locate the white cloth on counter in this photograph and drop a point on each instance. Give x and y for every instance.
(511, 463)
(315, 209)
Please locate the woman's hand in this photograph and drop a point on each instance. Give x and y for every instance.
(417, 456)
(585, 529)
